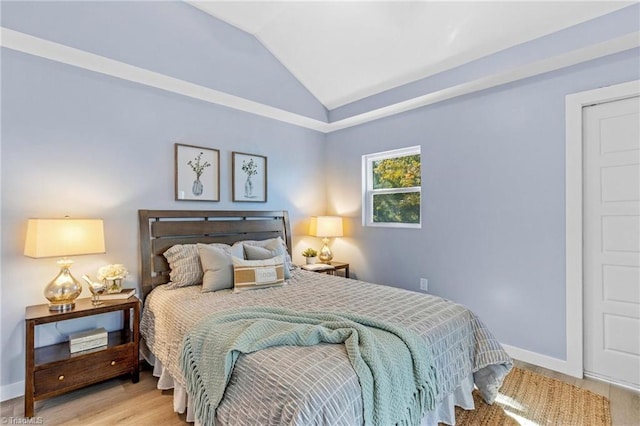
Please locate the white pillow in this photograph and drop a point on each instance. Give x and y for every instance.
(257, 274)
(184, 262)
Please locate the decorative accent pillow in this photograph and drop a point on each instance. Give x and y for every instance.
(271, 243)
(217, 266)
(184, 261)
(270, 250)
(257, 274)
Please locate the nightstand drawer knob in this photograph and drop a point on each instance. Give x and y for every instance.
(61, 377)
(113, 363)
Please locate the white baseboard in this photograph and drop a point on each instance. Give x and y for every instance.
(629, 386)
(12, 390)
(540, 360)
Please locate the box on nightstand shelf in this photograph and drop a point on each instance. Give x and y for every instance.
(86, 340)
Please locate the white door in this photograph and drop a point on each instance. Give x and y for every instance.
(611, 176)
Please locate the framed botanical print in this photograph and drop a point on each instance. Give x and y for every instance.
(197, 173)
(249, 177)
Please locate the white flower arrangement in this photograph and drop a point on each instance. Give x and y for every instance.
(112, 272)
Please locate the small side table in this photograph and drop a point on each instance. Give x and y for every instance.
(338, 266)
(332, 271)
(52, 370)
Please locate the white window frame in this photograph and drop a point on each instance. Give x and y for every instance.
(368, 192)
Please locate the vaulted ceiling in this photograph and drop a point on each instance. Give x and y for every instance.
(345, 51)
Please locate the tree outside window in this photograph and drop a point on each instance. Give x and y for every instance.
(392, 188)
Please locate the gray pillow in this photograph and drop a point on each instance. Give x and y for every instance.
(271, 244)
(217, 266)
(184, 262)
(269, 251)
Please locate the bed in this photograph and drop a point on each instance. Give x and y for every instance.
(300, 385)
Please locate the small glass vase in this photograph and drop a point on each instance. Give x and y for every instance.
(114, 285)
(197, 187)
(248, 187)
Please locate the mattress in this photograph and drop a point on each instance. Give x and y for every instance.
(317, 385)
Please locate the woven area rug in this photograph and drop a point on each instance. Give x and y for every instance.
(527, 398)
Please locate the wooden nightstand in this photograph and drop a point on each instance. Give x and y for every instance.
(53, 370)
(340, 265)
(336, 266)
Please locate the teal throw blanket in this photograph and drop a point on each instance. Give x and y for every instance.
(394, 370)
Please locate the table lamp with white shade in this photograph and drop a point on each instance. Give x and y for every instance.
(62, 238)
(326, 227)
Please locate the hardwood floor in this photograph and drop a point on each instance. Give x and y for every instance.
(118, 401)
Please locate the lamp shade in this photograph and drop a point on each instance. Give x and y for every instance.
(326, 226)
(64, 237)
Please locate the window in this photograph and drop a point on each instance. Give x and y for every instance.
(391, 188)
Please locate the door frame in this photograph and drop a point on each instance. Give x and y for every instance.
(574, 104)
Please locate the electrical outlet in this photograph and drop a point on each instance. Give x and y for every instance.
(424, 284)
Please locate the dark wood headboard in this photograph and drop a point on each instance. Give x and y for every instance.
(161, 229)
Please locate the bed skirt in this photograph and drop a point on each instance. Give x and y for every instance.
(444, 411)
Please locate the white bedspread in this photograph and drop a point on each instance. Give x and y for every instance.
(316, 385)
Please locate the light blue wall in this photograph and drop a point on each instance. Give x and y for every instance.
(87, 145)
(169, 37)
(610, 26)
(493, 235)
(493, 181)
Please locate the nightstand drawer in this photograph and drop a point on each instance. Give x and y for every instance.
(89, 368)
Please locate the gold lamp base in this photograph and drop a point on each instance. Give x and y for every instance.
(325, 255)
(63, 290)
